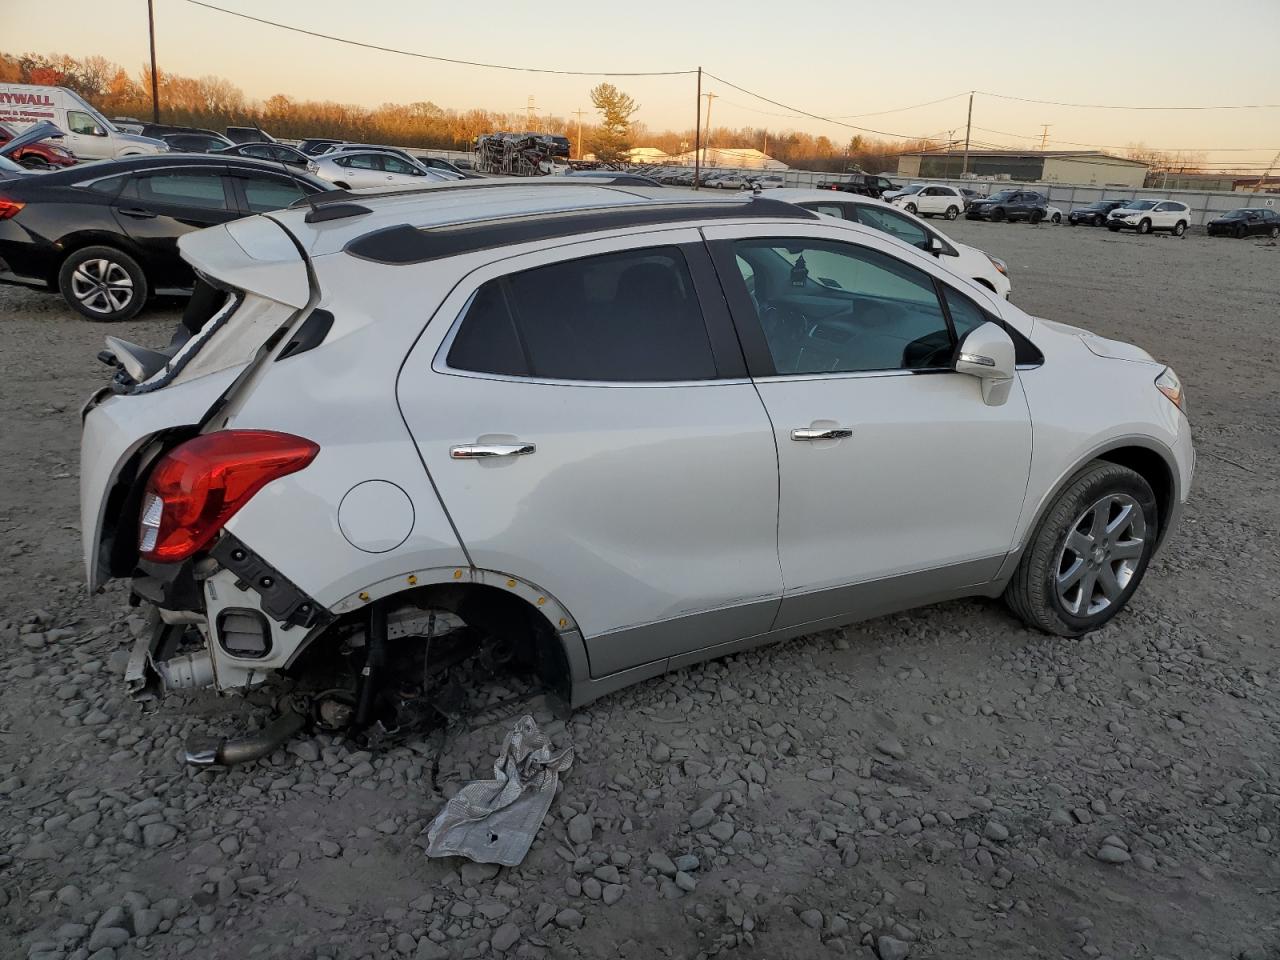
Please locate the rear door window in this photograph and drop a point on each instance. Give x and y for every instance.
(204, 190)
(269, 193)
(631, 316)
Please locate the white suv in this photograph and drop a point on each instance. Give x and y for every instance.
(1147, 215)
(600, 433)
(960, 258)
(933, 201)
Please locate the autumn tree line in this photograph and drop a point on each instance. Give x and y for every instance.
(215, 102)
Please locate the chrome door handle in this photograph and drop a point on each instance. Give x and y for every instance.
(482, 451)
(821, 433)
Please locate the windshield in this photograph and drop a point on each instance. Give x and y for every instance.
(1141, 205)
(914, 188)
(8, 166)
(1003, 195)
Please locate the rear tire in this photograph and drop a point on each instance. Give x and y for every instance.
(1179, 228)
(103, 284)
(952, 213)
(1088, 554)
(1274, 233)
(1144, 226)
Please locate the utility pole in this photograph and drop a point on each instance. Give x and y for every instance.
(155, 76)
(529, 111)
(710, 97)
(1044, 135)
(968, 124)
(578, 113)
(697, 133)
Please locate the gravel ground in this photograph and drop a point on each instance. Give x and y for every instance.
(939, 784)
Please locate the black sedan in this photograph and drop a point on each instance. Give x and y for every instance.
(275, 152)
(1010, 205)
(105, 235)
(1094, 214)
(1247, 222)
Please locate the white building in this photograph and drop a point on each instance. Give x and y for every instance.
(733, 158)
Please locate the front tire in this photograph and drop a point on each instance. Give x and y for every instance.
(103, 284)
(1035, 216)
(909, 207)
(1274, 233)
(1089, 553)
(1113, 228)
(1144, 226)
(1056, 218)
(952, 213)
(997, 214)
(1098, 220)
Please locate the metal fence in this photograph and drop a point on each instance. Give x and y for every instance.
(1205, 205)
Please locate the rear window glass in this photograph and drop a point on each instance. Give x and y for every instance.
(184, 189)
(268, 194)
(619, 317)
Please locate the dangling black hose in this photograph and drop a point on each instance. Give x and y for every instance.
(375, 663)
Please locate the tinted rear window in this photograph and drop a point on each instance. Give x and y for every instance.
(619, 317)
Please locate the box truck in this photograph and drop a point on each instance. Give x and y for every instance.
(87, 133)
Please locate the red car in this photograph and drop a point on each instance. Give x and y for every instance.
(39, 155)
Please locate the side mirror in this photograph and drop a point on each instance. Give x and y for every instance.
(935, 245)
(987, 353)
(98, 132)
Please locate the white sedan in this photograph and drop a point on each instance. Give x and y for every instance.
(354, 169)
(932, 201)
(960, 258)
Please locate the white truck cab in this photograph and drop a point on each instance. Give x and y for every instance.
(88, 134)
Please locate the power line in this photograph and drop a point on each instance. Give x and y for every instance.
(427, 56)
(1117, 146)
(1113, 106)
(806, 113)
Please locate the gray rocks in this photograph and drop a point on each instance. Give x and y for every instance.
(158, 834)
(892, 747)
(505, 937)
(995, 830)
(581, 827)
(811, 919)
(569, 919)
(662, 863)
(891, 948)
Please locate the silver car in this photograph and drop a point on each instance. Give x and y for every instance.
(363, 167)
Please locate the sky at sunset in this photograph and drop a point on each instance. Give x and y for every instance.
(823, 57)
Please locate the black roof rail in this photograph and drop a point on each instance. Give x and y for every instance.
(405, 244)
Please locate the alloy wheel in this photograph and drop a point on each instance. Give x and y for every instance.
(102, 286)
(1101, 555)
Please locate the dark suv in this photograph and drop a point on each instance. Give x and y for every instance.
(1094, 214)
(1010, 205)
(863, 184)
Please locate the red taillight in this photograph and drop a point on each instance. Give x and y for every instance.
(198, 486)
(9, 208)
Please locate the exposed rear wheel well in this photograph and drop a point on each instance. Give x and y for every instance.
(1155, 470)
(498, 618)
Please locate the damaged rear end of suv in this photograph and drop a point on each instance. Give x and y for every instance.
(202, 467)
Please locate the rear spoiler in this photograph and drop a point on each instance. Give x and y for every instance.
(257, 255)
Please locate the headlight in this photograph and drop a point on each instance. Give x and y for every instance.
(999, 264)
(1169, 384)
